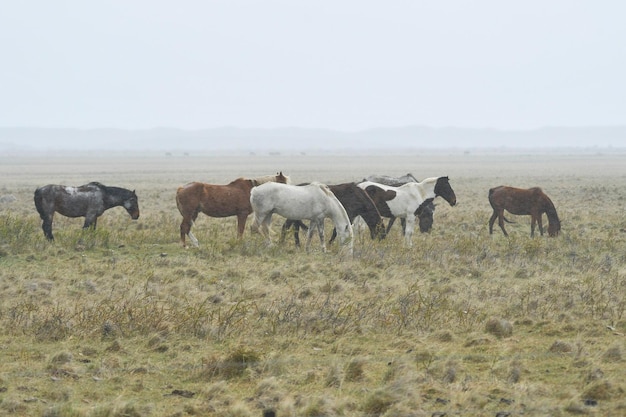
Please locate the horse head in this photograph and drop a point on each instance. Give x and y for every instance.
(131, 204)
(425, 214)
(445, 191)
(283, 179)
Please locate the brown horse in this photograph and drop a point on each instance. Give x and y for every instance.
(520, 201)
(218, 201)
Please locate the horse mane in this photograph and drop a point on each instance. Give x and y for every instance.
(279, 177)
(252, 181)
(119, 192)
(98, 184)
(551, 211)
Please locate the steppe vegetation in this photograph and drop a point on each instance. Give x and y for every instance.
(122, 321)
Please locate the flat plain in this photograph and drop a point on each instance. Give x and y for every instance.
(123, 321)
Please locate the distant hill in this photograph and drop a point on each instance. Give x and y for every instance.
(303, 139)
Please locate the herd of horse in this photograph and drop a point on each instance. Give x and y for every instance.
(371, 200)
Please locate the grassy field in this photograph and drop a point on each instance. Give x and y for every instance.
(123, 321)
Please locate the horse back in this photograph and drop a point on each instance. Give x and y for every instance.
(215, 200)
(518, 201)
(354, 199)
(69, 201)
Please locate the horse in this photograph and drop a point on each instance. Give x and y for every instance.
(394, 181)
(214, 200)
(426, 214)
(411, 198)
(314, 202)
(88, 201)
(356, 203)
(520, 201)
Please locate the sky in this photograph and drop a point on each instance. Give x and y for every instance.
(335, 64)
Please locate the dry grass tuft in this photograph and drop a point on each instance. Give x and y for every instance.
(603, 390)
(560, 346)
(499, 327)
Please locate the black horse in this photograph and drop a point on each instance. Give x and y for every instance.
(88, 201)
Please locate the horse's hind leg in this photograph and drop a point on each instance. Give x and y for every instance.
(47, 227)
(185, 229)
(492, 220)
(501, 222)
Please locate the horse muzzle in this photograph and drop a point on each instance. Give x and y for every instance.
(134, 215)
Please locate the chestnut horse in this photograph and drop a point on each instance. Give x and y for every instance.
(356, 202)
(520, 201)
(218, 201)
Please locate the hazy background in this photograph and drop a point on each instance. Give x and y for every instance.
(193, 73)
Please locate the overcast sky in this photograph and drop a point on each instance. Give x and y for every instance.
(338, 64)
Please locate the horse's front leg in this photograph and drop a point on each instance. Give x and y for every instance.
(90, 221)
(408, 232)
(241, 224)
(320, 231)
(309, 234)
(392, 219)
(540, 224)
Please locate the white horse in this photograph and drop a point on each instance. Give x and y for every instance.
(314, 202)
(410, 197)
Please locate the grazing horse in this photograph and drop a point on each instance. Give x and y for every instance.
(88, 201)
(356, 202)
(232, 199)
(520, 201)
(411, 198)
(425, 215)
(314, 202)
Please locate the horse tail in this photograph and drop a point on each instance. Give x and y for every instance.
(39, 203)
(179, 205)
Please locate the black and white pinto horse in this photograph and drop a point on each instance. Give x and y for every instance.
(314, 202)
(427, 211)
(88, 201)
(411, 198)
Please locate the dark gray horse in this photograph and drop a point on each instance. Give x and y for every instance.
(88, 201)
(426, 211)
